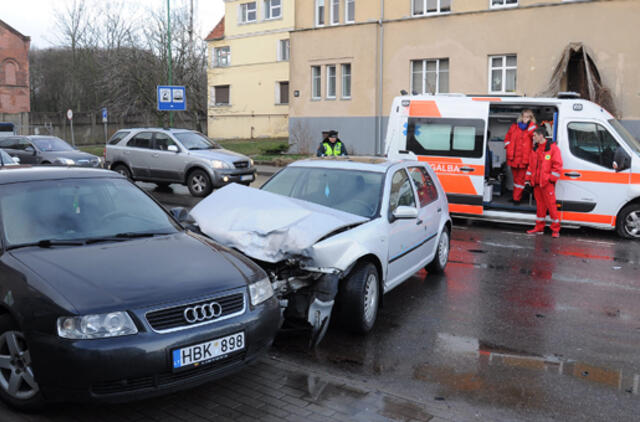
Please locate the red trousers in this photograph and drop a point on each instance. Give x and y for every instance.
(519, 176)
(546, 201)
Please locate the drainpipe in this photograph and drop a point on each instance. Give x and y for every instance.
(379, 139)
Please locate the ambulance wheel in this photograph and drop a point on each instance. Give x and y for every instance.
(441, 258)
(628, 222)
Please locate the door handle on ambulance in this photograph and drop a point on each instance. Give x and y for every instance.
(467, 169)
(573, 175)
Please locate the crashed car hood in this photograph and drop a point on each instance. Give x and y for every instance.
(267, 226)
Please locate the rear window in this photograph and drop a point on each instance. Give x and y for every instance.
(141, 140)
(446, 137)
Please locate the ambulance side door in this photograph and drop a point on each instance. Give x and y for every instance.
(450, 135)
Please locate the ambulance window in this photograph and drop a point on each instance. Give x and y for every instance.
(592, 142)
(446, 137)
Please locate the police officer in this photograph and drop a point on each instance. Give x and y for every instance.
(331, 146)
(545, 166)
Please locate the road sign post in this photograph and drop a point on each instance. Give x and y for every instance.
(70, 117)
(104, 121)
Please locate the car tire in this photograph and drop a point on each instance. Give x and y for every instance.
(441, 258)
(18, 386)
(359, 298)
(199, 183)
(628, 222)
(123, 170)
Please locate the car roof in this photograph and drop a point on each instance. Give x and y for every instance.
(172, 130)
(362, 163)
(20, 174)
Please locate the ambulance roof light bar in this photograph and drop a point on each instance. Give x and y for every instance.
(568, 95)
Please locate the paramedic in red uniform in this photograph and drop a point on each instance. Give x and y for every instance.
(545, 166)
(517, 144)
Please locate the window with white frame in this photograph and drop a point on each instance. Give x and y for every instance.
(221, 56)
(345, 69)
(503, 3)
(502, 74)
(319, 12)
(283, 50)
(219, 95)
(247, 12)
(430, 76)
(335, 12)
(350, 11)
(331, 81)
(272, 9)
(429, 7)
(316, 82)
(282, 92)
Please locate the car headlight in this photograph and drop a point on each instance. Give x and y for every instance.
(112, 324)
(260, 291)
(250, 162)
(65, 161)
(217, 164)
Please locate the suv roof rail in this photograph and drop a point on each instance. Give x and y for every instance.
(568, 95)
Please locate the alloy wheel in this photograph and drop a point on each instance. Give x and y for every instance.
(632, 224)
(443, 249)
(198, 183)
(370, 298)
(16, 373)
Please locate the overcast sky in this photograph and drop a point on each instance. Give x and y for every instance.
(34, 18)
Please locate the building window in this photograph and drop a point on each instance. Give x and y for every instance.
(502, 74)
(503, 3)
(220, 95)
(430, 76)
(429, 7)
(331, 81)
(283, 50)
(272, 9)
(350, 11)
(335, 12)
(316, 82)
(346, 80)
(222, 56)
(282, 92)
(247, 12)
(319, 12)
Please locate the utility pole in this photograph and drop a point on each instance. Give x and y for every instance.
(169, 48)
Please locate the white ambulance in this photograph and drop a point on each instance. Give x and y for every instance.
(462, 138)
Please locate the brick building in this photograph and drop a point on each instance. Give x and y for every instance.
(14, 77)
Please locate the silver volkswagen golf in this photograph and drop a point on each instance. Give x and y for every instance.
(165, 156)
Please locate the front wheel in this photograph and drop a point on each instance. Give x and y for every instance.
(360, 297)
(18, 386)
(628, 222)
(199, 183)
(439, 262)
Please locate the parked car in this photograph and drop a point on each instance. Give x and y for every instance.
(107, 298)
(7, 160)
(165, 156)
(335, 231)
(41, 149)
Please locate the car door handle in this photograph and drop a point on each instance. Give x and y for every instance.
(418, 222)
(156, 155)
(573, 174)
(467, 169)
(439, 209)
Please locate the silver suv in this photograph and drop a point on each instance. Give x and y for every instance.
(165, 156)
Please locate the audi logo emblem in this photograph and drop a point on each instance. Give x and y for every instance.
(203, 312)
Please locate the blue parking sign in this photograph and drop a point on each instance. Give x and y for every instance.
(172, 98)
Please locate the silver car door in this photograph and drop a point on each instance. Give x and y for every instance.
(166, 161)
(139, 152)
(430, 209)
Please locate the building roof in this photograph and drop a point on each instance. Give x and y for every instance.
(217, 33)
(15, 31)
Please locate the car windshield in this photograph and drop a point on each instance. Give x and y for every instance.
(78, 209)
(51, 144)
(195, 140)
(353, 191)
(633, 143)
(5, 158)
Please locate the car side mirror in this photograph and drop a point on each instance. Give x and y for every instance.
(182, 215)
(404, 212)
(173, 148)
(16, 159)
(621, 160)
(31, 149)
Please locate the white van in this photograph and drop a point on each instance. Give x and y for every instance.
(462, 138)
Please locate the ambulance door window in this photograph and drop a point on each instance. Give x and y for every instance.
(592, 142)
(446, 137)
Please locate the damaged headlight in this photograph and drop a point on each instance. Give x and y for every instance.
(260, 291)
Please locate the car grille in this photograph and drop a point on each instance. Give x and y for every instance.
(162, 379)
(169, 319)
(241, 164)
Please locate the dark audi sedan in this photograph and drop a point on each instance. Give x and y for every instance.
(105, 297)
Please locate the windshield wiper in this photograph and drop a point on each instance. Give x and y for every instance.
(47, 243)
(121, 237)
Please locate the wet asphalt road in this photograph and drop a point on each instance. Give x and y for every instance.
(518, 328)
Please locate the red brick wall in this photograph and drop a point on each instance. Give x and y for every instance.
(14, 71)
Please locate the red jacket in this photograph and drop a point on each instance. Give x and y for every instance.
(545, 165)
(518, 143)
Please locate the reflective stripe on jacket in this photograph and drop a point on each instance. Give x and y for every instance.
(517, 143)
(336, 149)
(545, 165)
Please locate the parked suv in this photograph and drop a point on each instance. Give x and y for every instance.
(165, 156)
